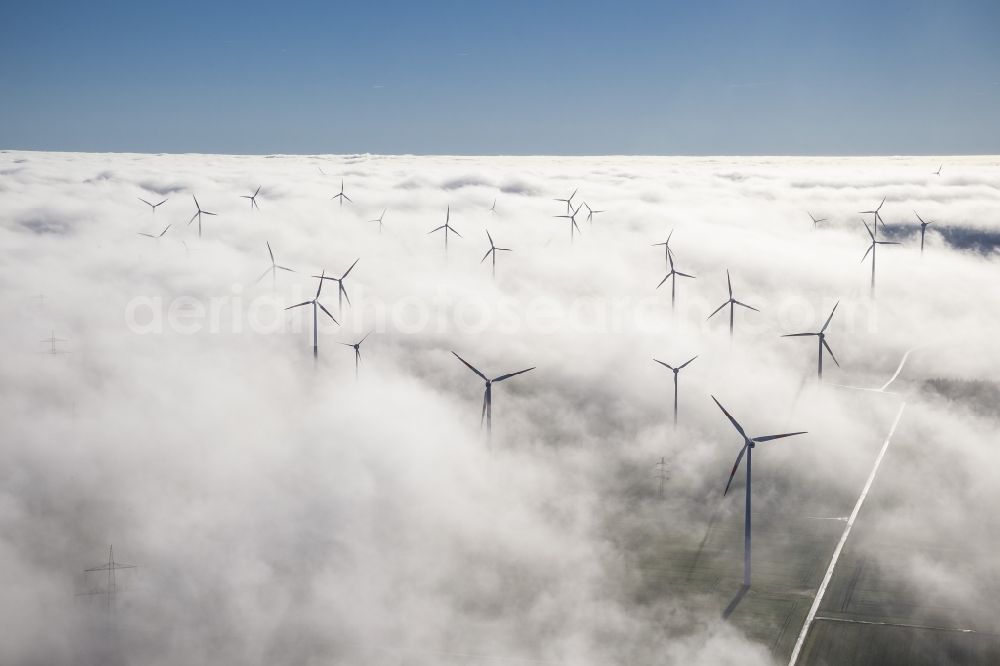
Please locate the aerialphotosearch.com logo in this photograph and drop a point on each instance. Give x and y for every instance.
(452, 310)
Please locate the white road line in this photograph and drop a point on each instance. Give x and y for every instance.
(843, 537)
(896, 624)
(898, 370)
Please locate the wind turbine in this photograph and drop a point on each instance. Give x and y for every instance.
(822, 341)
(878, 217)
(198, 214)
(732, 303)
(815, 221)
(591, 212)
(379, 220)
(447, 227)
(923, 228)
(52, 340)
(488, 395)
(315, 303)
(357, 351)
(661, 473)
(493, 208)
(666, 247)
(748, 446)
(152, 205)
(273, 270)
(341, 195)
(672, 275)
(159, 235)
(111, 567)
(569, 201)
(938, 172)
(493, 250)
(572, 222)
(676, 371)
(871, 249)
(252, 198)
(341, 291)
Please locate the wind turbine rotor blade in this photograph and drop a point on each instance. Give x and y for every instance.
(486, 255)
(471, 367)
(717, 310)
(351, 268)
(436, 229)
(688, 361)
(343, 290)
(455, 231)
(825, 344)
(798, 335)
(683, 274)
(729, 282)
(283, 268)
(298, 305)
(665, 278)
(145, 202)
(665, 365)
(768, 438)
(870, 247)
(262, 276)
(830, 317)
(749, 307)
(735, 423)
(490, 237)
(328, 313)
(735, 467)
(512, 374)
(270, 252)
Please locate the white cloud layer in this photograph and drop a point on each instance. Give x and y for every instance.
(282, 512)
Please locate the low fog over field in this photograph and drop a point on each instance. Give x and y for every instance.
(280, 511)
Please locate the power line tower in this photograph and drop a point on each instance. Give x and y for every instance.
(111, 588)
(662, 473)
(52, 341)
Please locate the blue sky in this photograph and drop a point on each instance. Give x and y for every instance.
(502, 77)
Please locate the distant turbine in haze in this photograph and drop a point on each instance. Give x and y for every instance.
(379, 220)
(447, 228)
(341, 195)
(667, 251)
(273, 270)
(571, 216)
(923, 229)
(357, 351)
(821, 335)
(152, 205)
(816, 221)
(341, 290)
(938, 172)
(198, 214)
(591, 212)
(493, 208)
(672, 276)
(488, 395)
(878, 217)
(493, 250)
(871, 249)
(315, 303)
(732, 303)
(676, 371)
(569, 201)
(252, 198)
(748, 446)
